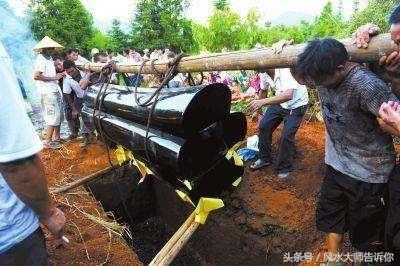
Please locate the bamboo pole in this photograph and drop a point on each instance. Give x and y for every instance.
(179, 244)
(81, 181)
(173, 240)
(256, 59)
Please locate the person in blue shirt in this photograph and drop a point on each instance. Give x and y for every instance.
(24, 198)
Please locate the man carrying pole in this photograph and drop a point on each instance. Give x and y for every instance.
(359, 155)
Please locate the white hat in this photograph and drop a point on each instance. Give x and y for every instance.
(47, 42)
(94, 51)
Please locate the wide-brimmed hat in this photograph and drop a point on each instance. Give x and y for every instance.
(47, 42)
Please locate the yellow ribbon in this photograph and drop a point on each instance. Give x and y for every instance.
(232, 153)
(205, 206)
(120, 155)
(123, 155)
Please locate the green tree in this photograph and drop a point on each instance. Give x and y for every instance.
(98, 40)
(252, 30)
(225, 30)
(160, 23)
(116, 37)
(221, 4)
(328, 23)
(66, 21)
(377, 11)
(200, 36)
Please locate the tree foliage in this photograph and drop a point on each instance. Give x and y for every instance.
(98, 40)
(161, 23)
(117, 39)
(226, 29)
(221, 4)
(377, 12)
(67, 21)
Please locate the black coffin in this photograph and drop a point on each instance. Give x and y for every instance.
(181, 112)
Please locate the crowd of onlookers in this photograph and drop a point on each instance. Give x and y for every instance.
(62, 85)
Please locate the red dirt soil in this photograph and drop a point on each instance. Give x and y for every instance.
(90, 242)
(278, 215)
(289, 203)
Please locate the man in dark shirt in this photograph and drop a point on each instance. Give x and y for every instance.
(359, 155)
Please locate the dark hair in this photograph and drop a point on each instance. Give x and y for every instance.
(72, 50)
(58, 57)
(171, 54)
(68, 64)
(96, 57)
(320, 59)
(395, 16)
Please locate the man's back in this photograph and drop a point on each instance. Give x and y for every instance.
(284, 80)
(18, 140)
(355, 144)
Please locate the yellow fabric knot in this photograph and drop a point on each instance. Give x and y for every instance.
(205, 206)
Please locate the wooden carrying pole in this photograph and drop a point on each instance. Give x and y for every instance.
(256, 59)
(176, 242)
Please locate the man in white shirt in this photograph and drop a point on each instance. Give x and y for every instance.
(77, 82)
(289, 105)
(73, 55)
(47, 86)
(24, 197)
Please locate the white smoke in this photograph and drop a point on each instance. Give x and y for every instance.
(18, 40)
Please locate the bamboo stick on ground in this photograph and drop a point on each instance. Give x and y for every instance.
(173, 240)
(81, 181)
(179, 244)
(258, 58)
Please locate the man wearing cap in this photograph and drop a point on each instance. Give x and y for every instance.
(47, 86)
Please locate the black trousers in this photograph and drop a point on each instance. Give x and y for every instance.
(393, 217)
(274, 115)
(29, 252)
(349, 205)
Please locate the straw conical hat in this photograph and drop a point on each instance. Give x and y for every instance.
(47, 42)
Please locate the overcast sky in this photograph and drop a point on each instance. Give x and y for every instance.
(105, 11)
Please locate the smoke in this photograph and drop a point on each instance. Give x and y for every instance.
(18, 40)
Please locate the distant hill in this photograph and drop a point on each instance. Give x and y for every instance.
(291, 18)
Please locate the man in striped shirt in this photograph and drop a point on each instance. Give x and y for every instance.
(359, 155)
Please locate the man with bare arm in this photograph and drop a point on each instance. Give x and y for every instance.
(24, 198)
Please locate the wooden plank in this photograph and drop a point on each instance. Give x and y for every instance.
(257, 58)
(81, 181)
